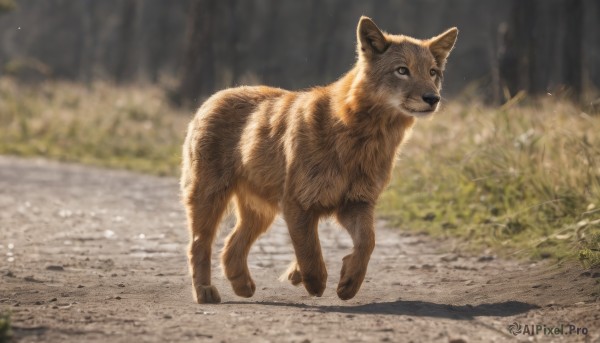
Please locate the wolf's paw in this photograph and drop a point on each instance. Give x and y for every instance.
(295, 277)
(314, 287)
(207, 294)
(347, 288)
(243, 286)
(315, 283)
(351, 278)
(292, 274)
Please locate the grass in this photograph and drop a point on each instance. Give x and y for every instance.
(522, 180)
(518, 179)
(5, 331)
(131, 128)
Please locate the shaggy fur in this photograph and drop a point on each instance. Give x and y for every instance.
(325, 151)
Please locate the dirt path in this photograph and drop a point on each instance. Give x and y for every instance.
(97, 255)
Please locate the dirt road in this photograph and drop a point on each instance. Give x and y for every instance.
(97, 255)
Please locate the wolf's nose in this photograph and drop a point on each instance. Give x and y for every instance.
(431, 98)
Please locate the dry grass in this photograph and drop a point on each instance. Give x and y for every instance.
(131, 128)
(525, 178)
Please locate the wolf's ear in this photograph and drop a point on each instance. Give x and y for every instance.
(441, 45)
(370, 39)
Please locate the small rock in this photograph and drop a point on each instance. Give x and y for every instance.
(485, 258)
(545, 255)
(412, 267)
(118, 297)
(31, 279)
(121, 285)
(80, 286)
(428, 267)
(449, 258)
(38, 303)
(53, 299)
(457, 340)
(469, 283)
(167, 316)
(429, 217)
(449, 226)
(464, 268)
(205, 313)
(55, 268)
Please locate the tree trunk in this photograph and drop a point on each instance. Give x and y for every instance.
(515, 52)
(269, 70)
(572, 48)
(87, 42)
(198, 74)
(124, 49)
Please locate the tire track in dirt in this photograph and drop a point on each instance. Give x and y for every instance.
(89, 254)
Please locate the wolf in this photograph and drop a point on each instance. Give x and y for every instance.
(325, 151)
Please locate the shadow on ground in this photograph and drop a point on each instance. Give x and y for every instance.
(419, 309)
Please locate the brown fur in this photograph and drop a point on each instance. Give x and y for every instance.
(325, 151)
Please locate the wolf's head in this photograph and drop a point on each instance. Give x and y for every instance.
(403, 72)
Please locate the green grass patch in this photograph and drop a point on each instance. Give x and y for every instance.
(524, 179)
(5, 331)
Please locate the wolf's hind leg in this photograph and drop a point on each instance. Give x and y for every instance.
(204, 212)
(292, 274)
(252, 221)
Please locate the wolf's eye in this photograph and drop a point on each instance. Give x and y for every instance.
(402, 71)
(433, 72)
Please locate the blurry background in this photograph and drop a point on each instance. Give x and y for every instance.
(199, 46)
(511, 163)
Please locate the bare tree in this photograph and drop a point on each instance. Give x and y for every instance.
(516, 53)
(541, 47)
(197, 72)
(87, 39)
(125, 51)
(572, 47)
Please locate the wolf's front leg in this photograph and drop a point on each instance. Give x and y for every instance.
(303, 226)
(357, 218)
